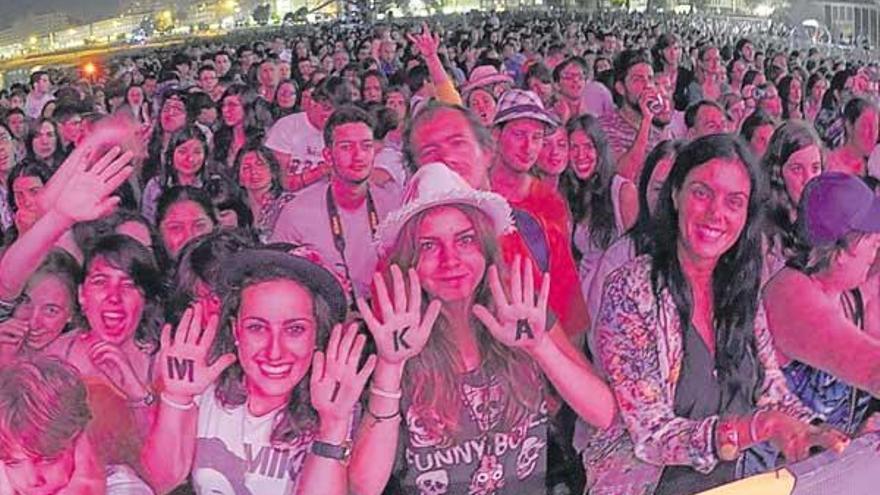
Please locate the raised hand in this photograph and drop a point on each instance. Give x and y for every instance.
(426, 42)
(183, 361)
(335, 382)
(403, 331)
(109, 133)
(87, 194)
(114, 364)
(521, 319)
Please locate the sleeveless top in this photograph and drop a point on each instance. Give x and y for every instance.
(842, 406)
(617, 183)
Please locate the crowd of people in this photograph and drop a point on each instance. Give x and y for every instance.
(502, 254)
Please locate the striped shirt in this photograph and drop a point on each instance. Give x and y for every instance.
(621, 134)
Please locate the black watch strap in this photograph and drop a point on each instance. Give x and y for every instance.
(331, 451)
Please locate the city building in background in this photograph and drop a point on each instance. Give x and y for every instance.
(138, 21)
(851, 20)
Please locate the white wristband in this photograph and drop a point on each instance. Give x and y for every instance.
(177, 405)
(385, 393)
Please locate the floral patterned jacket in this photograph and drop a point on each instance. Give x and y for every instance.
(639, 341)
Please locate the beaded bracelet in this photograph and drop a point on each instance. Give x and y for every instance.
(397, 414)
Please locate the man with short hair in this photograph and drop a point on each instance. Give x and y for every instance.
(298, 139)
(632, 131)
(388, 61)
(267, 77)
(520, 126)
(70, 128)
(337, 216)
(209, 82)
(44, 443)
(41, 93)
(704, 118)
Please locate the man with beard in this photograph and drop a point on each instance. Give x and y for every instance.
(633, 130)
(339, 216)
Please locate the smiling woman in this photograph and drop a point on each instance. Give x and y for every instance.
(112, 350)
(217, 415)
(457, 372)
(685, 345)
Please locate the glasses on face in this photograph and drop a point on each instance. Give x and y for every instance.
(572, 76)
(174, 108)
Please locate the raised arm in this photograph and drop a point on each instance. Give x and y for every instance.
(630, 163)
(84, 195)
(169, 449)
(428, 44)
(521, 320)
(335, 386)
(400, 334)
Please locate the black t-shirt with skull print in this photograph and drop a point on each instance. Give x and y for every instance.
(484, 460)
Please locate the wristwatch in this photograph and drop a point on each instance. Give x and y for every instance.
(331, 451)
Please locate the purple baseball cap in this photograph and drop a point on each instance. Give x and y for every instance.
(835, 204)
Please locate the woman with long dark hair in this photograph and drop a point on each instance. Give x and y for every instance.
(238, 112)
(172, 118)
(24, 184)
(186, 165)
(259, 174)
(791, 92)
(794, 156)
(637, 240)
(286, 99)
(587, 187)
(829, 122)
(684, 342)
(814, 93)
(461, 357)
(44, 144)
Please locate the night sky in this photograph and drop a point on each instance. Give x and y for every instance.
(82, 9)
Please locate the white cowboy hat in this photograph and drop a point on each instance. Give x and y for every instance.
(433, 185)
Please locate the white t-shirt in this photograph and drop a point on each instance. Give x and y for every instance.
(121, 480)
(235, 457)
(305, 220)
(597, 99)
(390, 159)
(297, 137)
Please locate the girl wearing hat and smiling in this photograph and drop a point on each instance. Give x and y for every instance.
(259, 425)
(464, 351)
(824, 336)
